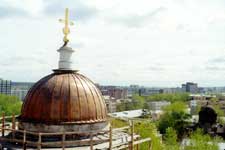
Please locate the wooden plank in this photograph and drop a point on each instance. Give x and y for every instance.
(13, 122)
(132, 135)
(110, 138)
(63, 141)
(9, 117)
(120, 129)
(30, 143)
(58, 133)
(91, 142)
(142, 141)
(3, 124)
(13, 126)
(78, 142)
(39, 141)
(24, 139)
(126, 144)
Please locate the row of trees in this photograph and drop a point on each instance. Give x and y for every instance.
(141, 102)
(171, 97)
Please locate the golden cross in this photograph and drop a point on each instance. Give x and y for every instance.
(67, 22)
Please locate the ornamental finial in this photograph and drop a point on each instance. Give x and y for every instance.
(66, 29)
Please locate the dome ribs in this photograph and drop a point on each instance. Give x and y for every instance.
(64, 98)
(29, 96)
(38, 98)
(69, 114)
(101, 105)
(94, 109)
(33, 100)
(57, 100)
(61, 100)
(83, 100)
(76, 100)
(52, 110)
(102, 116)
(91, 105)
(97, 103)
(45, 99)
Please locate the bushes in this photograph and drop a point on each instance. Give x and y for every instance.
(10, 105)
(148, 129)
(175, 116)
(200, 141)
(170, 139)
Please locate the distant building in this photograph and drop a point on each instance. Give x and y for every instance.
(5, 87)
(133, 89)
(190, 87)
(149, 91)
(110, 104)
(20, 89)
(157, 105)
(113, 91)
(171, 90)
(19, 93)
(193, 106)
(183, 87)
(201, 97)
(128, 114)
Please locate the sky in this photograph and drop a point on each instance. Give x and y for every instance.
(117, 42)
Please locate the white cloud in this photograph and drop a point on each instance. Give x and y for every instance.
(155, 43)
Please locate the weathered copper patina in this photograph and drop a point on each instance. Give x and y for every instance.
(64, 97)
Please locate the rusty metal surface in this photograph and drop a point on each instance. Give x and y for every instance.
(64, 97)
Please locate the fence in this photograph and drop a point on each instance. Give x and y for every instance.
(39, 143)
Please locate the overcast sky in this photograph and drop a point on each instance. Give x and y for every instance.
(118, 42)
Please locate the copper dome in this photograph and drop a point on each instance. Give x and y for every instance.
(64, 97)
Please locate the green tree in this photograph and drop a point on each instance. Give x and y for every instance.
(170, 139)
(174, 116)
(176, 107)
(137, 102)
(10, 105)
(214, 99)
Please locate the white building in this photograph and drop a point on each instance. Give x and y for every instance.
(110, 103)
(128, 114)
(157, 105)
(19, 93)
(5, 86)
(20, 89)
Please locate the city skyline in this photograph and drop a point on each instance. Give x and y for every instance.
(163, 43)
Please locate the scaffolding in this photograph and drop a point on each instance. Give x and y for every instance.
(112, 139)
